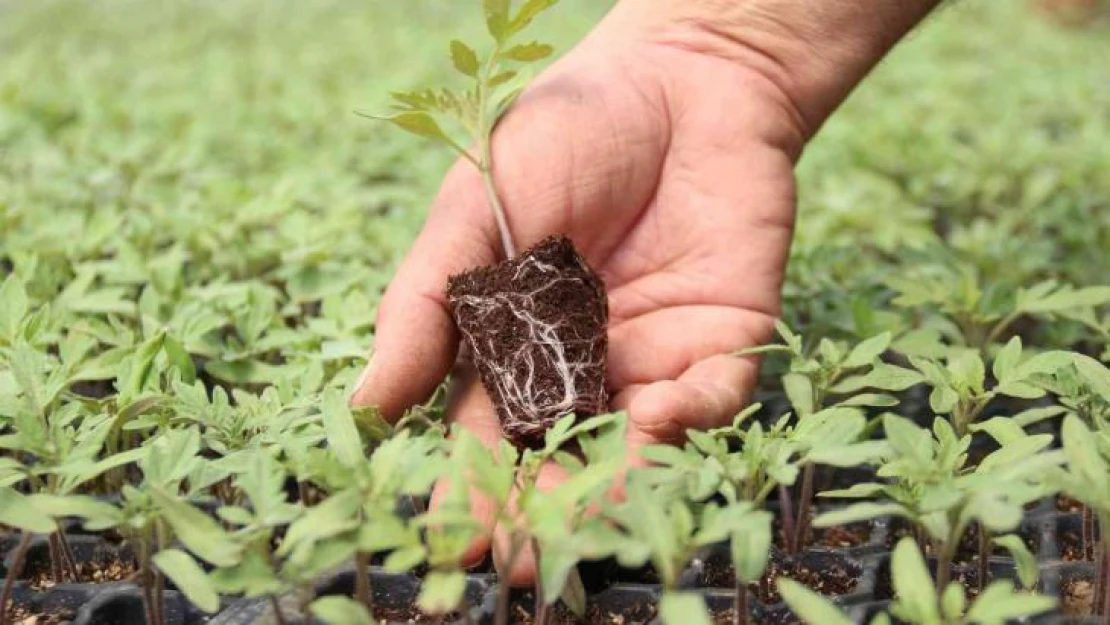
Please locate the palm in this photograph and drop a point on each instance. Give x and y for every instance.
(678, 203)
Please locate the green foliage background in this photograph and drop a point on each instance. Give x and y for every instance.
(219, 139)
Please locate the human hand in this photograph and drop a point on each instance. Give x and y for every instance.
(669, 161)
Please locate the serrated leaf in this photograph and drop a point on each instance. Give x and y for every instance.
(16, 511)
(13, 306)
(913, 586)
(528, 52)
(527, 13)
(1000, 604)
(864, 511)
(200, 533)
(751, 546)
(1028, 570)
(497, 17)
(810, 606)
(1005, 363)
(464, 58)
(683, 608)
(341, 610)
(800, 392)
(189, 578)
(442, 592)
(867, 351)
(339, 425)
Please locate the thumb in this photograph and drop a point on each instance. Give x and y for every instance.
(415, 337)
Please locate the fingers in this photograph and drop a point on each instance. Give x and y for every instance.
(415, 338)
(470, 407)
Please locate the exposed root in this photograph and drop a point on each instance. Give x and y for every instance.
(543, 355)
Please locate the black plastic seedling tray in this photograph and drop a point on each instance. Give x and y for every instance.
(615, 595)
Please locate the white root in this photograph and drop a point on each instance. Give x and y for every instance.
(515, 376)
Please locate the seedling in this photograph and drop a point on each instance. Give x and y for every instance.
(536, 323)
(918, 601)
(931, 485)
(543, 520)
(1084, 479)
(817, 381)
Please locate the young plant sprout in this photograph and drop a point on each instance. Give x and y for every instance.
(813, 384)
(535, 323)
(920, 601)
(931, 485)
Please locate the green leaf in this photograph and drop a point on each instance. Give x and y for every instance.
(17, 511)
(13, 307)
(953, 603)
(180, 359)
(683, 608)
(1002, 429)
(800, 392)
(418, 123)
(464, 58)
(999, 604)
(341, 610)
(200, 533)
(528, 52)
(442, 592)
(189, 578)
(751, 546)
(1064, 299)
(810, 606)
(1007, 360)
(913, 586)
(80, 506)
(867, 351)
(528, 12)
(863, 511)
(1028, 571)
(497, 17)
(339, 425)
(883, 377)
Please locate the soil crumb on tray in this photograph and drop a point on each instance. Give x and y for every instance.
(22, 616)
(1079, 597)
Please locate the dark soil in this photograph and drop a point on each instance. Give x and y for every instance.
(24, 616)
(839, 537)
(1078, 597)
(88, 572)
(536, 329)
(409, 614)
(1067, 504)
(521, 613)
(968, 550)
(827, 574)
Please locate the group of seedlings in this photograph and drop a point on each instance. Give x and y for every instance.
(174, 416)
(221, 496)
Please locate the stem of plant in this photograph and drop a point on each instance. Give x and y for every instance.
(485, 160)
(159, 578)
(1087, 540)
(984, 556)
(56, 571)
(144, 563)
(504, 589)
(944, 563)
(1103, 573)
(18, 559)
(786, 513)
(67, 551)
(740, 604)
(363, 591)
(805, 504)
(541, 599)
(279, 618)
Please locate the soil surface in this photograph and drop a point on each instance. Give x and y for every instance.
(839, 537)
(409, 614)
(827, 574)
(968, 550)
(536, 329)
(1067, 504)
(22, 616)
(88, 572)
(1078, 597)
(521, 613)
